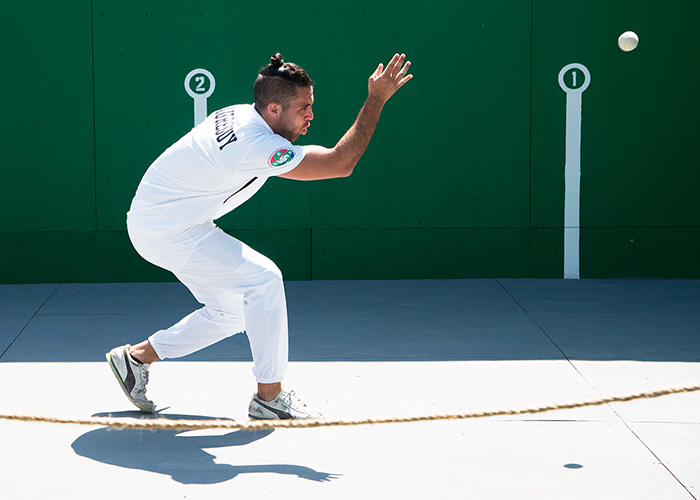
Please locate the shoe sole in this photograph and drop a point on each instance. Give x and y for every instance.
(263, 418)
(108, 356)
(260, 418)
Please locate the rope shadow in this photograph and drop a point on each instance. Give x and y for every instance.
(182, 457)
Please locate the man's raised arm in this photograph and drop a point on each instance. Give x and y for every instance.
(339, 161)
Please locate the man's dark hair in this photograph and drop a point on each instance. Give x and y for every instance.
(278, 82)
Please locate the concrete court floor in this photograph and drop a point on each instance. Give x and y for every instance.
(366, 348)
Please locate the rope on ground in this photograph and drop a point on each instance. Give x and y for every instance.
(189, 425)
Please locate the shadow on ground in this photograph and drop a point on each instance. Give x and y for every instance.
(178, 454)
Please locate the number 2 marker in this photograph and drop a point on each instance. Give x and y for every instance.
(199, 84)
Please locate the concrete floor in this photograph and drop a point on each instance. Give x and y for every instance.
(362, 349)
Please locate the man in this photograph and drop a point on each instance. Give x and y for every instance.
(213, 169)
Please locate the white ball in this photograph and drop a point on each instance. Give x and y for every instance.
(628, 41)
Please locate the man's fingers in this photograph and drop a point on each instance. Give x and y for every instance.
(404, 70)
(399, 63)
(404, 80)
(391, 66)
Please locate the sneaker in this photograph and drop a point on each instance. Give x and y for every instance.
(132, 376)
(285, 406)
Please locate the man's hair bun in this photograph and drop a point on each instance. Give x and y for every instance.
(276, 61)
(278, 82)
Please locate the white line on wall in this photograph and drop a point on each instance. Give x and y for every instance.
(199, 84)
(573, 79)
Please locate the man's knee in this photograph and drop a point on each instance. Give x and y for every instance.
(267, 289)
(269, 275)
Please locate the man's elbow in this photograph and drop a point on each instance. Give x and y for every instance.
(343, 164)
(346, 170)
(347, 167)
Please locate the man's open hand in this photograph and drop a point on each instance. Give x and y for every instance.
(385, 81)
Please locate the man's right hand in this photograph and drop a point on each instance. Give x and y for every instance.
(385, 81)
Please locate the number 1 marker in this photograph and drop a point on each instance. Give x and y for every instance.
(570, 83)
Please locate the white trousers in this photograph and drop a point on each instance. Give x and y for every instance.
(241, 290)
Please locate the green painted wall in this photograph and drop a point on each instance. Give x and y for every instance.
(464, 177)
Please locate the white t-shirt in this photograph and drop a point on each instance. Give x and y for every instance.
(213, 169)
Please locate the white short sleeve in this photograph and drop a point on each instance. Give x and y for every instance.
(271, 156)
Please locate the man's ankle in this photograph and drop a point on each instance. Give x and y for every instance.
(268, 392)
(143, 353)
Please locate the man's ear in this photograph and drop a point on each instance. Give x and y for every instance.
(274, 109)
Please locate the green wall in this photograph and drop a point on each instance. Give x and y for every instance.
(464, 176)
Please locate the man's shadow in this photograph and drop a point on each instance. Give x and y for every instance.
(181, 457)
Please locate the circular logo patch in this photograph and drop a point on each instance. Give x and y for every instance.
(280, 157)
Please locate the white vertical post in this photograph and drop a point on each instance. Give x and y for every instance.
(573, 79)
(199, 84)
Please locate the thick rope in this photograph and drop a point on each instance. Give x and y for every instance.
(188, 425)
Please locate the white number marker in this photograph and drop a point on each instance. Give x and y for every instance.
(568, 81)
(199, 84)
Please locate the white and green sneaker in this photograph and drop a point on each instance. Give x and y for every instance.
(132, 376)
(285, 406)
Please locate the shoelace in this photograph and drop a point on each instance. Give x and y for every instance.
(144, 377)
(291, 400)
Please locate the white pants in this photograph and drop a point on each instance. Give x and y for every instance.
(241, 290)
